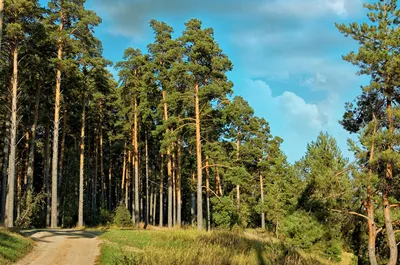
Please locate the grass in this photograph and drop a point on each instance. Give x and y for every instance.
(187, 247)
(13, 247)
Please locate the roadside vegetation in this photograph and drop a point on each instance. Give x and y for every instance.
(13, 247)
(148, 247)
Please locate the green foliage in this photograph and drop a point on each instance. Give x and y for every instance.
(13, 247)
(122, 217)
(225, 215)
(32, 204)
(108, 217)
(302, 230)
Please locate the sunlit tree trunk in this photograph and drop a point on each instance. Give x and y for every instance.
(237, 161)
(110, 179)
(208, 195)
(391, 238)
(136, 214)
(9, 220)
(54, 166)
(199, 161)
(81, 167)
(161, 220)
(25, 173)
(128, 180)
(148, 210)
(46, 181)
(173, 189)
(218, 187)
(262, 201)
(193, 200)
(123, 170)
(61, 162)
(178, 184)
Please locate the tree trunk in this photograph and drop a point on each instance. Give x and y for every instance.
(31, 156)
(208, 195)
(218, 187)
(96, 170)
(178, 184)
(13, 142)
(173, 189)
(369, 207)
(237, 162)
(6, 150)
(154, 207)
(102, 178)
(25, 173)
(81, 167)
(123, 170)
(110, 180)
(146, 219)
(169, 164)
(193, 197)
(199, 161)
(391, 238)
(161, 192)
(47, 176)
(54, 174)
(19, 188)
(136, 164)
(61, 162)
(127, 181)
(262, 202)
(1, 21)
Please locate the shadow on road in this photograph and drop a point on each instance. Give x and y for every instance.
(68, 233)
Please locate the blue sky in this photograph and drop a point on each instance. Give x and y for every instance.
(286, 55)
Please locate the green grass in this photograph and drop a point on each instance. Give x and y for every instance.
(187, 247)
(13, 247)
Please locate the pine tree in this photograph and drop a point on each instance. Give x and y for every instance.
(206, 65)
(70, 20)
(17, 29)
(377, 57)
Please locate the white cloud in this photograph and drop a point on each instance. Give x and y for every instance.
(311, 8)
(295, 119)
(293, 110)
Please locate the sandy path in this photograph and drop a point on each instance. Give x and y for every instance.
(63, 247)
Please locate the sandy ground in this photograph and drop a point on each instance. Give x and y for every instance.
(63, 247)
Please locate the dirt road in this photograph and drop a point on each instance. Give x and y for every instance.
(63, 247)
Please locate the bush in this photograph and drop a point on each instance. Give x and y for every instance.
(32, 204)
(224, 215)
(122, 217)
(302, 230)
(106, 217)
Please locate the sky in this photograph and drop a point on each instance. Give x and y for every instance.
(287, 55)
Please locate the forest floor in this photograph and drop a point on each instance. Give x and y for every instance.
(62, 247)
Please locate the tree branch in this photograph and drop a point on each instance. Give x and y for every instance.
(216, 165)
(351, 213)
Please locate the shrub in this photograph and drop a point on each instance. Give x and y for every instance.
(106, 217)
(224, 215)
(302, 230)
(122, 217)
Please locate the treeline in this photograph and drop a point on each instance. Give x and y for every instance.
(171, 143)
